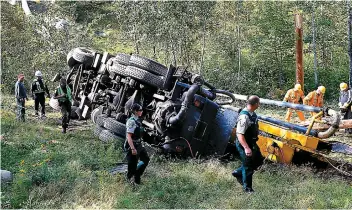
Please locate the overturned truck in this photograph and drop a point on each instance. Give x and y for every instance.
(183, 115)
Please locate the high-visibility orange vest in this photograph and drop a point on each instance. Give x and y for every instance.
(293, 96)
(313, 99)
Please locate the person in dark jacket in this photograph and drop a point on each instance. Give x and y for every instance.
(21, 97)
(133, 145)
(247, 136)
(345, 103)
(38, 93)
(64, 96)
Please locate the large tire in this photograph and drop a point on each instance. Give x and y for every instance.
(100, 120)
(106, 136)
(167, 81)
(145, 77)
(115, 127)
(97, 130)
(123, 59)
(148, 64)
(83, 55)
(93, 115)
(70, 60)
(114, 67)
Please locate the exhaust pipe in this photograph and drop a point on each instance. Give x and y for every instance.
(184, 106)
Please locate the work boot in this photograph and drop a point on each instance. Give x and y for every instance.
(248, 190)
(128, 179)
(238, 176)
(36, 114)
(137, 179)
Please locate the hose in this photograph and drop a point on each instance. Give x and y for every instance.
(227, 93)
(184, 106)
(334, 125)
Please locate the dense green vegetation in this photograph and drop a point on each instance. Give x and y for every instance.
(246, 47)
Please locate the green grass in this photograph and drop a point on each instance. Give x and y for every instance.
(52, 170)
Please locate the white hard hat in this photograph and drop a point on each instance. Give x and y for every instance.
(38, 74)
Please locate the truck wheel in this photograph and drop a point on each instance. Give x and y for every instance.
(106, 136)
(145, 77)
(148, 64)
(83, 55)
(71, 62)
(117, 68)
(115, 127)
(100, 119)
(97, 130)
(93, 115)
(123, 59)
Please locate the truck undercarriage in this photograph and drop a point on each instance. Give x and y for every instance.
(183, 115)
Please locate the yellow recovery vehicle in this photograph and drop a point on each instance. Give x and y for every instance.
(287, 143)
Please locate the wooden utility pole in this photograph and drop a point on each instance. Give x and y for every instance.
(315, 50)
(299, 50)
(350, 39)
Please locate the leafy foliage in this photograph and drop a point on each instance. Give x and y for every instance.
(243, 46)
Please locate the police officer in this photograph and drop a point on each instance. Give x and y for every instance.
(133, 145)
(64, 96)
(345, 103)
(247, 136)
(21, 97)
(38, 93)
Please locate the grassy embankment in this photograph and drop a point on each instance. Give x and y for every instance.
(52, 170)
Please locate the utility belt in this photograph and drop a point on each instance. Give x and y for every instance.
(38, 91)
(136, 143)
(251, 144)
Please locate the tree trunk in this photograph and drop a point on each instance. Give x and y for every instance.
(315, 51)
(25, 7)
(154, 52)
(239, 38)
(350, 40)
(203, 47)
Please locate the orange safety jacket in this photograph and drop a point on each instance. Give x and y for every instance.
(313, 99)
(293, 96)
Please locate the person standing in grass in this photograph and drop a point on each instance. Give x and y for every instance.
(38, 93)
(21, 97)
(345, 103)
(293, 96)
(247, 136)
(133, 145)
(64, 96)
